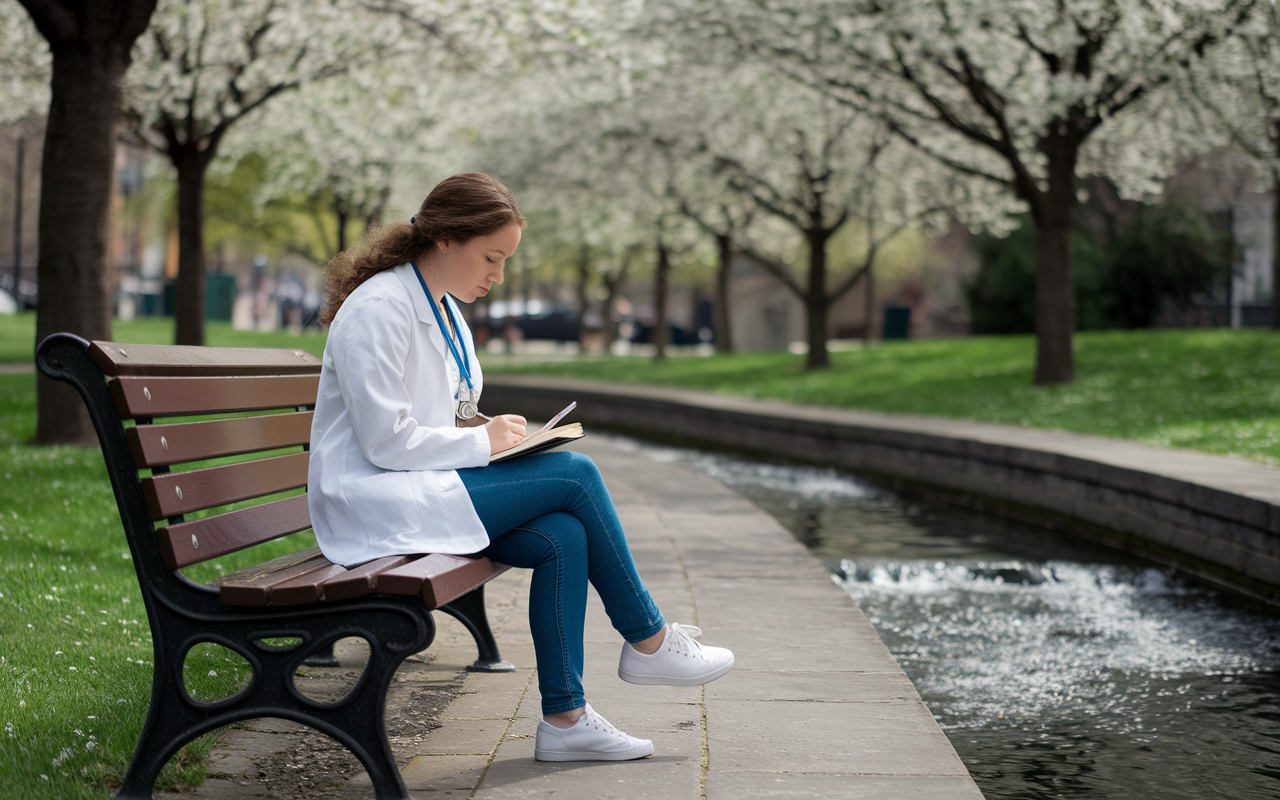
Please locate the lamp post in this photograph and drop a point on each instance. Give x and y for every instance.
(17, 219)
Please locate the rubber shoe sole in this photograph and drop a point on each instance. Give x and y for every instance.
(662, 680)
(633, 754)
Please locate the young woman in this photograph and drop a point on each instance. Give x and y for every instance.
(393, 471)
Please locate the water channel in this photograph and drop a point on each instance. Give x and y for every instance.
(1058, 669)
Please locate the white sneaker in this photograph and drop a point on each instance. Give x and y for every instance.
(591, 738)
(679, 662)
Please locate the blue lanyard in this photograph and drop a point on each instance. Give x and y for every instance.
(462, 360)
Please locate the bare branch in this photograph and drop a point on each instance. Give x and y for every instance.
(778, 271)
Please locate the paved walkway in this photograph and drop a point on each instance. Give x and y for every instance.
(815, 706)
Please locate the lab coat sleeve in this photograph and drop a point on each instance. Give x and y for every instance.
(370, 362)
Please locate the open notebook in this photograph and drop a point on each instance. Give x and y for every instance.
(545, 438)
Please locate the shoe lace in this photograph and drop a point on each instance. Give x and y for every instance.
(601, 724)
(680, 639)
(692, 630)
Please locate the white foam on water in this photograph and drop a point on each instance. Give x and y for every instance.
(1018, 638)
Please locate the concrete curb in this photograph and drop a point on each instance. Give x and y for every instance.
(1215, 517)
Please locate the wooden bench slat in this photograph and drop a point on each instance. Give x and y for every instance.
(154, 397)
(179, 442)
(254, 586)
(118, 358)
(360, 581)
(188, 543)
(182, 492)
(440, 578)
(306, 588)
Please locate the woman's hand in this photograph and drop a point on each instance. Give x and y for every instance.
(504, 431)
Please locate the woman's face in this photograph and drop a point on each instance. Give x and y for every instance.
(469, 269)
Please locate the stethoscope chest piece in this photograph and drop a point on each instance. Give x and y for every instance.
(467, 409)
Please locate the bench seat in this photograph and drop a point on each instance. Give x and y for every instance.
(308, 577)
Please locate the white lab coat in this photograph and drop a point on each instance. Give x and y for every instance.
(384, 446)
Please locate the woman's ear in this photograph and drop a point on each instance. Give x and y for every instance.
(444, 244)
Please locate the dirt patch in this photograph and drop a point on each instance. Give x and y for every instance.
(287, 761)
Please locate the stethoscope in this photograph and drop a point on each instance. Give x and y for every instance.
(465, 400)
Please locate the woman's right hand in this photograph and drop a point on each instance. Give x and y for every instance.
(504, 431)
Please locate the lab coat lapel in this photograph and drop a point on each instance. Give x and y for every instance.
(422, 306)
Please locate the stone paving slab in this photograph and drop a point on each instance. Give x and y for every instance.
(815, 706)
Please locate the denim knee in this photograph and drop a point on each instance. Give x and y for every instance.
(556, 536)
(567, 531)
(581, 470)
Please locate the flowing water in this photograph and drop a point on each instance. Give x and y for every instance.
(1058, 669)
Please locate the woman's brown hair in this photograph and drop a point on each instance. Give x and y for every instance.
(459, 209)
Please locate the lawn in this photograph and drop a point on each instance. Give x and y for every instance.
(18, 336)
(1212, 390)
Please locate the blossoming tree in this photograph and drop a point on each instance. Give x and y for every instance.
(204, 66)
(1022, 93)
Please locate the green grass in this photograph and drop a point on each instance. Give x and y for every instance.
(18, 336)
(75, 667)
(1212, 390)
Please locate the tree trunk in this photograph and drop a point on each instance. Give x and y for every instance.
(1275, 249)
(661, 332)
(724, 334)
(1054, 214)
(189, 291)
(1055, 304)
(19, 162)
(340, 210)
(613, 286)
(816, 299)
(583, 290)
(869, 301)
(77, 175)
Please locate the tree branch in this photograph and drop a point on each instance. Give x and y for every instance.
(777, 271)
(1051, 60)
(55, 23)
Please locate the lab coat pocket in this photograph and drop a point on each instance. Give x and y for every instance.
(386, 505)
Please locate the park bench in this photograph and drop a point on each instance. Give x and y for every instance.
(162, 413)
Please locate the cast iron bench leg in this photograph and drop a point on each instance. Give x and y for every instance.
(357, 721)
(469, 610)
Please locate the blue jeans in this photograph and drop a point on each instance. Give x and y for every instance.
(551, 513)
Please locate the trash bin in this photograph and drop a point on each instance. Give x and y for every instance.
(152, 305)
(897, 322)
(220, 296)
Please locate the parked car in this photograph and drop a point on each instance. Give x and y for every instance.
(642, 333)
(536, 320)
(557, 324)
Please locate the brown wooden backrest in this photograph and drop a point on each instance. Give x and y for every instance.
(257, 403)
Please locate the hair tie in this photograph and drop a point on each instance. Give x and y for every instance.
(413, 219)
